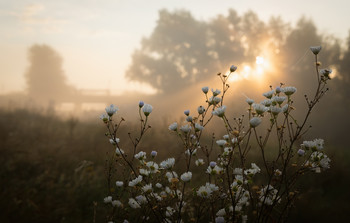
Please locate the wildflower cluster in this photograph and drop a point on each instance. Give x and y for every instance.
(222, 187)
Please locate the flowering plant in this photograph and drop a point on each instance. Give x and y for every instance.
(218, 184)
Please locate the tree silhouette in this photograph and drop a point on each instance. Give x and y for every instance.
(182, 50)
(45, 77)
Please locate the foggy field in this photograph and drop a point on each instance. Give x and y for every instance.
(43, 179)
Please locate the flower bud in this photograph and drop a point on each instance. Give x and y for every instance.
(233, 68)
(205, 89)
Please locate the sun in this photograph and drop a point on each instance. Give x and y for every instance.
(253, 71)
(259, 60)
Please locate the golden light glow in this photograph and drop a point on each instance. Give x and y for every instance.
(251, 71)
(334, 73)
(259, 60)
(257, 70)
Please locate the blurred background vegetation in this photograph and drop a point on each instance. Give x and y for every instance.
(53, 163)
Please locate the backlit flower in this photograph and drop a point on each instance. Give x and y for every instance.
(255, 121)
(111, 110)
(250, 101)
(147, 109)
(205, 90)
(259, 108)
(186, 176)
(200, 110)
(289, 90)
(315, 49)
(233, 68)
(220, 112)
(269, 94)
(186, 128)
(173, 127)
(215, 92)
(198, 127)
(326, 72)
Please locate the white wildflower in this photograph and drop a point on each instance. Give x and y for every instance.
(220, 111)
(238, 171)
(186, 128)
(201, 110)
(119, 151)
(268, 194)
(289, 90)
(199, 162)
(326, 72)
(108, 199)
(167, 164)
(214, 100)
(266, 102)
(119, 183)
(259, 108)
(275, 110)
(315, 49)
(316, 144)
(173, 127)
(278, 172)
(116, 203)
(214, 170)
(144, 172)
(221, 212)
(104, 118)
(204, 192)
(152, 166)
(111, 110)
(198, 127)
(278, 99)
(255, 121)
(141, 199)
(186, 176)
(169, 211)
(205, 89)
(254, 170)
(278, 90)
(221, 142)
(216, 92)
(172, 176)
(147, 188)
(250, 101)
(135, 181)
(228, 150)
(141, 155)
(285, 108)
(269, 94)
(189, 119)
(147, 109)
(317, 161)
(114, 141)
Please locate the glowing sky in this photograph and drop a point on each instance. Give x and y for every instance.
(97, 38)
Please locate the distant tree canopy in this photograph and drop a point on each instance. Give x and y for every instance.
(182, 50)
(45, 77)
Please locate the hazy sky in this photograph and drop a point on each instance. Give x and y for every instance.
(97, 38)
